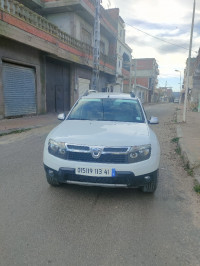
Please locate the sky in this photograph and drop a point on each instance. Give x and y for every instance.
(170, 21)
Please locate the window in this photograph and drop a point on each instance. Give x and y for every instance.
(86, 36)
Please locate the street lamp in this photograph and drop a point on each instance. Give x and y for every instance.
(180, 84)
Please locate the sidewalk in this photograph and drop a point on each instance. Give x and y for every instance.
(189, 139)
(8, 126)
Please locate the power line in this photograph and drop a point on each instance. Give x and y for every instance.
(162, 40)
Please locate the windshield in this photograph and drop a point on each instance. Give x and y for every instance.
(107, 109)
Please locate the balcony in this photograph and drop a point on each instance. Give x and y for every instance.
(46, 36)
(85, 9)
(33, 4)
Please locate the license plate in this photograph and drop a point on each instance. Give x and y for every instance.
(93, 171)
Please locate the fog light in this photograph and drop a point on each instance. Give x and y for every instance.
(147, 178)
(51, 172)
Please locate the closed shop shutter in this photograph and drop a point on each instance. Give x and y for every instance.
(84, 85)
(19, 90)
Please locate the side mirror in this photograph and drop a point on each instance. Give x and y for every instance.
(61, 117)
(153, 120)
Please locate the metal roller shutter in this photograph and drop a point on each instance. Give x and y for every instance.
(19, 90)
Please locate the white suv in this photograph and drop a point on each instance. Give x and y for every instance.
(105, 140)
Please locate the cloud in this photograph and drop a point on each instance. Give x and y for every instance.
(168, 49)
(148, 25)
(167, 20)
(164, 41)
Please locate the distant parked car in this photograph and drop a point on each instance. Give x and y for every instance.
(176, 100)
(104, 141)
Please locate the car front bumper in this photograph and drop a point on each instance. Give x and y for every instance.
(121, 179)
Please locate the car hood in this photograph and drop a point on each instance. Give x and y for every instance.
(101, 133)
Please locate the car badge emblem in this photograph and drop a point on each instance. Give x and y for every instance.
(96, 152)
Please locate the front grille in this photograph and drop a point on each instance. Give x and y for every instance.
(83, 153)
(104, 158)
(107, 149)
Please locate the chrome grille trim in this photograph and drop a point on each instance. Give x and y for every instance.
(105, 150)
(77, 148)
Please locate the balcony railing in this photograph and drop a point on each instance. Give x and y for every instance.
(18, 10)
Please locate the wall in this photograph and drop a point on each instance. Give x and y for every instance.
(195, 97)
(121, 32)
(144, 64)
(142, 81)
(11, 51)
(72, 24)
(64, 21)
(144, 73)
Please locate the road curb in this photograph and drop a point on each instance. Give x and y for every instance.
(17, 130)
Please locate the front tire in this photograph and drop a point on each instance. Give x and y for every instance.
(52, 180)
(151, 186)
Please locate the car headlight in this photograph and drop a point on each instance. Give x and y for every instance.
(57, 149)
(139, 153)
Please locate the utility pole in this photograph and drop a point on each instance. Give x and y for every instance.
(180, 85)
(96, 48)
(188, 65)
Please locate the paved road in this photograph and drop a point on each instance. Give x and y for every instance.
(72, 225)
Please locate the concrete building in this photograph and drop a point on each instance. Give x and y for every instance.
(194, 82)
(124, 58)
(46, 54)
(163, 94)
(123, 55)
(144, 77)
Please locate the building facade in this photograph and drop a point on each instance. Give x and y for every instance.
(144, 78)
(123, 55)
(123, 64)
(46, 54)
(194, 82)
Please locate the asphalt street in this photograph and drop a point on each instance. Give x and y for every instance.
(73, 225)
